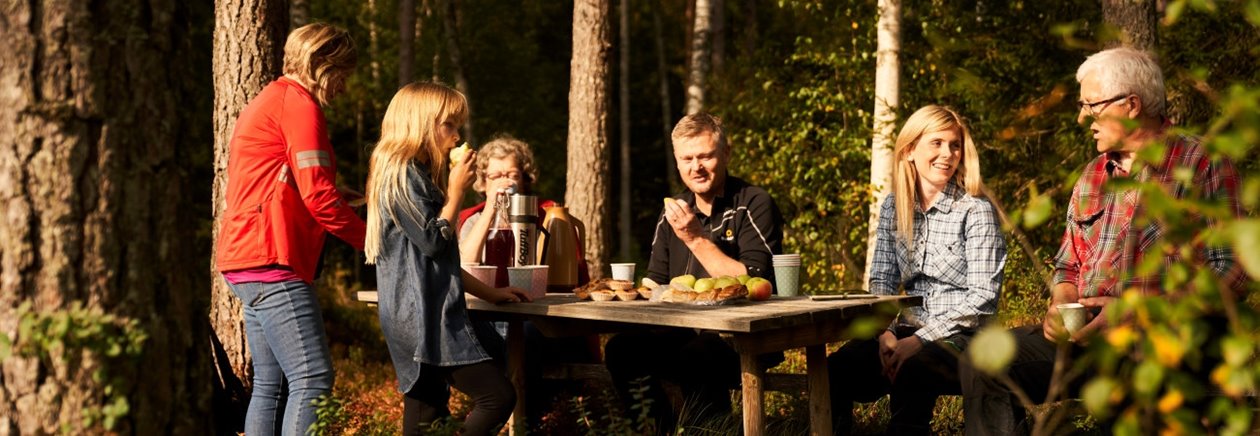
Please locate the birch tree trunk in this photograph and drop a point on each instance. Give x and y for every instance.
(700, 57)
(623, 96)
(92, 115)
(450, 27)
(887, 87)
(1136, 20)
(587, 175)
(248, 54)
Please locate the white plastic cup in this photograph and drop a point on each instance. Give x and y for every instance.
(623, 271)
(1073, 315)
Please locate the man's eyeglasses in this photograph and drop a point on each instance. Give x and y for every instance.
(1096, 108)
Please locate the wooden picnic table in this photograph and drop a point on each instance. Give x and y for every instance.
(752, 328)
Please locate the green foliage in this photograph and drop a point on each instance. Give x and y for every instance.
(87, 338)
(330, 416)
(992, 349)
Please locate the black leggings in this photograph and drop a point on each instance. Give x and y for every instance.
(486, 383)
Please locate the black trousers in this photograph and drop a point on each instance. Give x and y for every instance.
(486, 383)
(856, 374)
(703, 366)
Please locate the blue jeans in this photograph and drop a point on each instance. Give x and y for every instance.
(286, 336)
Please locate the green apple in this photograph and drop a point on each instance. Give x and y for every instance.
(704, 284)
(687, 280)
(759, 289)
(459, 153)
(743, 278)
(725, 281)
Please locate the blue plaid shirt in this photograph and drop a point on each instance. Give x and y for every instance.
(955, 263)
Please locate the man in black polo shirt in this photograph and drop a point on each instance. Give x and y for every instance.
(721, 226)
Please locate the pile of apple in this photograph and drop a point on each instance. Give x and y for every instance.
(759, 289)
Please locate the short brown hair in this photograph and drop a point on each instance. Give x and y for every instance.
(501, 147)
(317, 53)
(698, 124)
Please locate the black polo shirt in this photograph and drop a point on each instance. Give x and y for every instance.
(745, 224)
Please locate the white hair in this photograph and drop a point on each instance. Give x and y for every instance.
(1125, 70)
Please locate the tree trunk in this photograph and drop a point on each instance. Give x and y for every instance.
(408, 30)
(248, 54)
(700, 57)
(719, 34)
(623, 213)
(887, 87)
(587, 176)
(450, 26)
(299, 13)
(667, 112)
(1135, 19)
(92, 165)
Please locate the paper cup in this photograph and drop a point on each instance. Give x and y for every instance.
(532, 279)
(787, 279)
(1073, 315)
(623, 271)
(485, 273)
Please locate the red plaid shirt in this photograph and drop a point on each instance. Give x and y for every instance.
(1103, 241)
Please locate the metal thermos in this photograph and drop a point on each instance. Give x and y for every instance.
(523, 214)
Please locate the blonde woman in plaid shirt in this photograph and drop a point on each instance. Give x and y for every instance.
(938, 237)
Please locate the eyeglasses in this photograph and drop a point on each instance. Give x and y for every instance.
(515, 175)
(1096, 108)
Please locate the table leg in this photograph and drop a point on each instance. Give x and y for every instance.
(754, 418)
(819, 390)
(516, 372)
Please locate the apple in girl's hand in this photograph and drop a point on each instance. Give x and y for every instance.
(759, 289)
(459, 153)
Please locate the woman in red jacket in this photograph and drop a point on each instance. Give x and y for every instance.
(281, 201)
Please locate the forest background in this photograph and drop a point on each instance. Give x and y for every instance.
(792, 79)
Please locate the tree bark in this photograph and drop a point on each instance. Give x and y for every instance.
(1135, 19)
(587, 174)
(700, 56)
(623, 78)
(248, 54)
(92, 164)
(667, 112)
(450, 26)
(887, 87)
(408, 32)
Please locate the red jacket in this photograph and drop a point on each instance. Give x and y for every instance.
(281, 191)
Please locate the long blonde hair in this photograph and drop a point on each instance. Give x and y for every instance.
(408, 136)
(319, 55)
(929, 119)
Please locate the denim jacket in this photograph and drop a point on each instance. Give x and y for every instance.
(422, 308)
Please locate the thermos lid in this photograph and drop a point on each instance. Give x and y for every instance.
(523, 205)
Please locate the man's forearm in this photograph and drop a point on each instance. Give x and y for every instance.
(1064, 293)
(714, 260)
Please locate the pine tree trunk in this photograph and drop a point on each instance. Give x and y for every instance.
(450, 26)
(1136, 20)
(248, 54)
(887, 87)
(92, 163)
(623, 79)
(667, 112)
(587, 176)
(407, 35)
(700, 56)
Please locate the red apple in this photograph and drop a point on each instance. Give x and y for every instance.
(759, 289)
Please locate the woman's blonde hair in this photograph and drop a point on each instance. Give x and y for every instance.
(321, 56)
(929, 119)
(408, 137)
(502, 147)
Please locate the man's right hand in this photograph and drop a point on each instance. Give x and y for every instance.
(887, 347)
(1052, 326)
